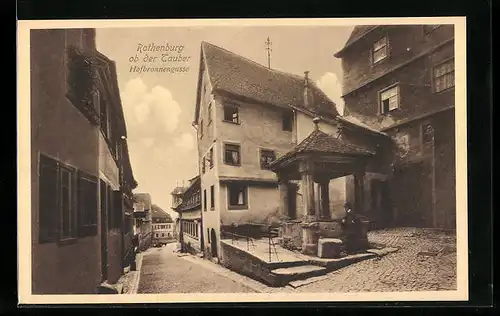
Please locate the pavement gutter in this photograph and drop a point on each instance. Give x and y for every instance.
(132, 284)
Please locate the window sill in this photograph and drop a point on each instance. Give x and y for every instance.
(231, 164)
(444, 91)
(67, 241)
(231, 122)
(384, 114)
(212, 209)
(237, 208)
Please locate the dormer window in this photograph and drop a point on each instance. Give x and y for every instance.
(379, 50)
(389, 99)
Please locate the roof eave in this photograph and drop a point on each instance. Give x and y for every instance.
(341, 52)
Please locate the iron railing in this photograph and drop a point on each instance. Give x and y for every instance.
(269, 232)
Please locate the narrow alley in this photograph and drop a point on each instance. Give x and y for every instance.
(163, 271)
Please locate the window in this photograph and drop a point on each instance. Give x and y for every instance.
(431, 27)
(128, 224)
(211, 157)
(444, 76)
(57, 208)
(379, 50)
(66, 204)
(88, 204)
(203, 162)
(389, 99)
(232, 154)
(116, 209)
(237, 196)
(287, 121)
(231, 114)
(210, 113)
(204, 200)
(162, 234)
(266, 157)
(212, 197)
(427, 134)
(201, 129)
(157, 235)
(208, 235)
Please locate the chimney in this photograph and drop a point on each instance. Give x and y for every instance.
(316, 123)
(307, 91)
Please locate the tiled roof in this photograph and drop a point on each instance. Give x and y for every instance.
(243, 77)
(357, 33)
(178, 190)
(143, 197)
(320, 142)
(157, 212)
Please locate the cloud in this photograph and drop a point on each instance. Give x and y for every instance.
(149, 112)
(332, 87)
(185, 141)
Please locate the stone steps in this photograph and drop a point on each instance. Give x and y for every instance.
(287, 275)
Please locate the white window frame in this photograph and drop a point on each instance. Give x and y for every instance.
(381, 101)
(434, 77)
(377, 48)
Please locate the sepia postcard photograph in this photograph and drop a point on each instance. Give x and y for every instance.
(164, 161)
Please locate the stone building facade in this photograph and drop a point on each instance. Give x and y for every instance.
(81, 175)
(399, 80)
(246, 116)
(186, 201)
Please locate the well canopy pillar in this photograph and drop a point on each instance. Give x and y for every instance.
(283, 185)
(324, 185)
(359, 190)
(307, 183)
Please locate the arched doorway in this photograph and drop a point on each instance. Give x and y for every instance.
(213, 244)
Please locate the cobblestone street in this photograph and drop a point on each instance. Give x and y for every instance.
(425, 261)
(163, 272)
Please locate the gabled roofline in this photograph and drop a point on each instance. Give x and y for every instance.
(216, 89)
(354, 41)
(198, 85)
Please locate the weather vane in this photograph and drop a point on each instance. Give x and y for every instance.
(268, 44)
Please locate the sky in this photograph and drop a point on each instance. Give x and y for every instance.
(159, 107)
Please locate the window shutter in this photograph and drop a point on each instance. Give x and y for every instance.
(117, 209)
(48, 200)
(87, 205)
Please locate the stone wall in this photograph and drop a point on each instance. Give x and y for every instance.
(291, 235)
(246, 264)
